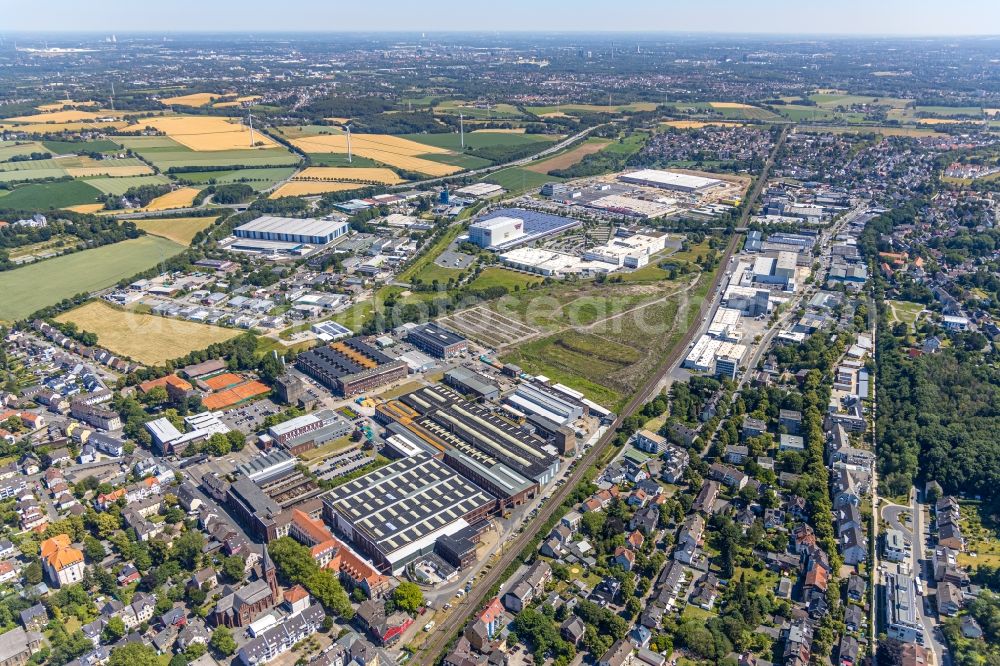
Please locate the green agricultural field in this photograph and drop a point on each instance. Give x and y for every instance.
(516, 179)
(452, 141)
(502, 277)
(120, 185)
(9, 149)
(68, 147)
(259, 179)
(496, 111)
(46, 196)
(831, 100)
(36, 174)
(45, 283)
(164, 153)
(464, 161)
(951, 111)
(592, 108)
(752, 113)
(431, 272)
(340, 160)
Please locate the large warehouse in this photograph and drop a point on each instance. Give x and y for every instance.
(496, 231)
(350, 366)
(670, 180)
(292, 230)
(437, 340)
(506, 228)
(397, 513)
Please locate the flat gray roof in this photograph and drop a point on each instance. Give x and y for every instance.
(292, 225)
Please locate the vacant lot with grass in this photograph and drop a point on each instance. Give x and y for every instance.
(518, 179)
(502, 277)
(143, 337)
(178, 229)
(45, 283)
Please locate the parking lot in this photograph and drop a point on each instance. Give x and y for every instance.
(248, 418)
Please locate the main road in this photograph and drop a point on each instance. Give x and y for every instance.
(476, 597)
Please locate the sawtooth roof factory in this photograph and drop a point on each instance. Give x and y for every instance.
(397, 513)
(503, 458)
(351, 366)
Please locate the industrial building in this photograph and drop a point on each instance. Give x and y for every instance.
(708, 350)
(310, 431)
(496, 231)
(750, 301)
(350, 366)
(398, 512)
(471, 383)
(292, 230)
(480, 190)
(630, 252)
(725, 325)
(507, 228)
(670, 180)
(561, 407)
(437, 340)
(778, 270)
(503, 458)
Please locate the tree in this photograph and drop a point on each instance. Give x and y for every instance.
(187, 549)
(113, 630)
(33, 573)
(222, 641)
(195, 650)
(93, 548)
(234, 568)
(408, 597)
(134, 654)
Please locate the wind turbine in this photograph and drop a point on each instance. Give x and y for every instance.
(112, 96)
(250, 120)
(461, 129)
(348, 128)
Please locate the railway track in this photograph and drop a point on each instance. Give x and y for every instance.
(476, 597)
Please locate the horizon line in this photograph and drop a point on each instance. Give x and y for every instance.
(472, 31)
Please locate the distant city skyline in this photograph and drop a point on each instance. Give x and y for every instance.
(790, 17)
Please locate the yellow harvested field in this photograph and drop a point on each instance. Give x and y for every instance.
(939, 121)
(42, 128)
(499, 130)
(305, 188)
(729, 105)
(203, 133)
(145, 338)
(555, 114)
(339, 121)
(86, 208)
(194, 99)
(55, 106)
(698, 124)
(89, 172)
(178, 229)
(392, 150)
(62, 117)
(236, 102)
(378, 175)
(568, 158)
(179, 198)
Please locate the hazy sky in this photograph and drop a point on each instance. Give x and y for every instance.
(922, 17)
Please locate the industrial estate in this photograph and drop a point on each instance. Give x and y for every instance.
(490, 350)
